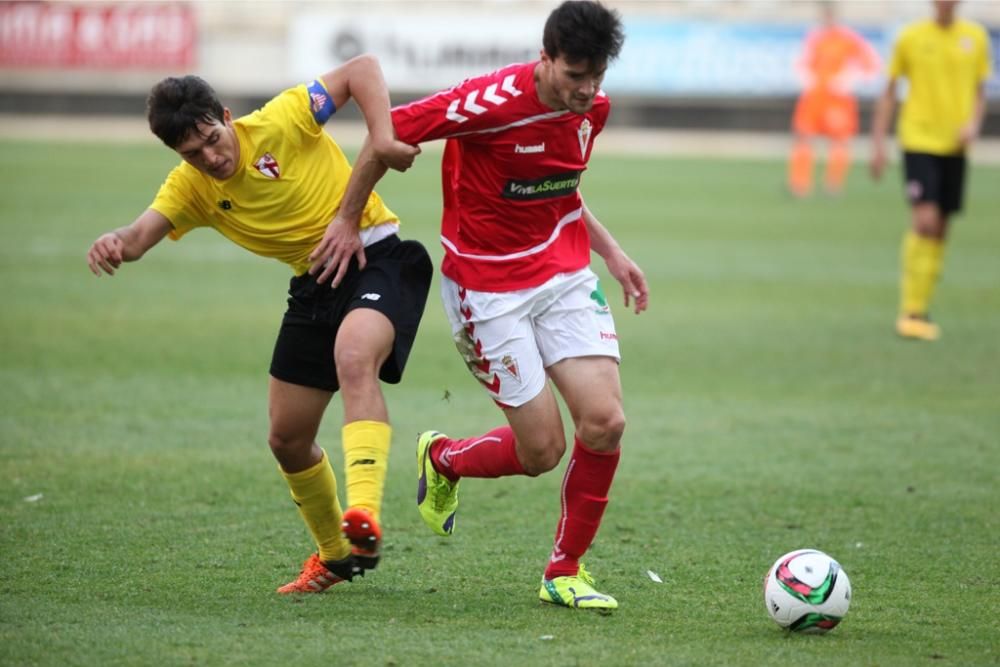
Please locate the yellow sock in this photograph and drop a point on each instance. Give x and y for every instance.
(366, 458)
(314, 490)
(921, 259)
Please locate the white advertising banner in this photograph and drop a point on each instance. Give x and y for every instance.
(418, 51)
(430, 49)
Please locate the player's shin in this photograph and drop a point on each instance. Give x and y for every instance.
(800, 169)
(837, 167)
(921, 265)
(314, 491)
(493, 454)
(584, 497)
(366, 458)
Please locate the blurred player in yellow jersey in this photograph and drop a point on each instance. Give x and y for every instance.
(833, 58)
(946, 62)
(275, 183)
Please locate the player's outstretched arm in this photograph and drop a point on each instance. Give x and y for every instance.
(127, 244)
(361, 78)
(620, 265)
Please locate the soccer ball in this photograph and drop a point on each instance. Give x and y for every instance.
(807, 591)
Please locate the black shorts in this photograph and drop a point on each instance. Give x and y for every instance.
(935, 178)
(397, 272)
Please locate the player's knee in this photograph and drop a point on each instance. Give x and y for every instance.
(354, 367)
(539, 464)
(286, 445)
(928, 220)
(542, 456)
(602, 430)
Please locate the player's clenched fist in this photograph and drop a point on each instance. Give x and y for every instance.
(396, 154)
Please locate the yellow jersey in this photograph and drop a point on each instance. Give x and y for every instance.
(287, 187)
(944, 68)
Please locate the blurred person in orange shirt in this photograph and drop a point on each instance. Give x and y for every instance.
(833, 58)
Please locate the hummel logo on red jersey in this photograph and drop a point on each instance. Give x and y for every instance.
(267, 165)
(490, 95)
(539, 148)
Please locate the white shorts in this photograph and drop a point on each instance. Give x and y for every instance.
(508, 339)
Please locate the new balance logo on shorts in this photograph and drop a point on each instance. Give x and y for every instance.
(371, 296)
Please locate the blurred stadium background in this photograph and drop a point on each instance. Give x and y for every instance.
(698, 65)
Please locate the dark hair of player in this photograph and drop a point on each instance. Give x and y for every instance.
(176, 105)
(582, 30)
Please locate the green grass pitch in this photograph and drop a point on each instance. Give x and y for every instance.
(770, 407)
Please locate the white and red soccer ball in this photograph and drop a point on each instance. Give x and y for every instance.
(807, 591)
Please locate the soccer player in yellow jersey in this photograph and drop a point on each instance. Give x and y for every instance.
(275, 183)
(946, 62)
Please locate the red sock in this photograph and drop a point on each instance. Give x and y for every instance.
(489, 455)
(584, 497)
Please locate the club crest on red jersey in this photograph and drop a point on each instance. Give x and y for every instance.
(583, 134)
(267, 165)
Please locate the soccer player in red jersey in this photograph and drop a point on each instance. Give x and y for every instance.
(524, 306)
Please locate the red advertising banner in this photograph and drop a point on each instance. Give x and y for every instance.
(119, 36)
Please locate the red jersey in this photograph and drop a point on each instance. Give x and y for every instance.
(510, 174)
